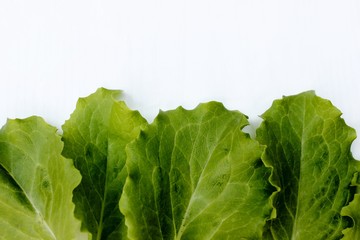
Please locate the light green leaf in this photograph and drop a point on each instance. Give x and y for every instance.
(36, 183)
(309, 148)
(193, 174)
(95, 136)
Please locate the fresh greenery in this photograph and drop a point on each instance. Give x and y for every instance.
(309, 149)
(95, 137)
(36, 183)
(191, 174)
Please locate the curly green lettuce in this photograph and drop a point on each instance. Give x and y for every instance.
(36, 183)
(308, 145)
(194, 174)
(95, 136)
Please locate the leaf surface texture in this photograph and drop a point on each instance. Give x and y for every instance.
(309, 149)
(36, 183)
(95, 136)
(194, 174)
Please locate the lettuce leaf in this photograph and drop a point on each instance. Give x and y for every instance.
(193, 174)
(36, 183)
(309, 149)
(95, 136)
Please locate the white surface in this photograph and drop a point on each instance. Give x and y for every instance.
(244, 53)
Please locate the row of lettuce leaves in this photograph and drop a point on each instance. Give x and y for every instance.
(191, 174)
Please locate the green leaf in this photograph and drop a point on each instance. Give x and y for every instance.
(95, 136)
(309, 148)
(353, 211)
(36, 183)
(193, 174)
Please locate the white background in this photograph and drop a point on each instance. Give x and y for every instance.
(244, 53)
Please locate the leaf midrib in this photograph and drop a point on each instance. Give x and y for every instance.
(211, 151)
(293, 234)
